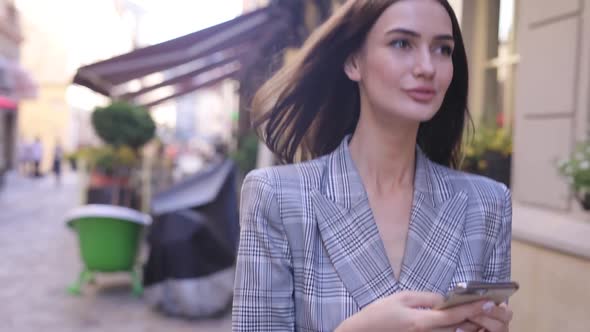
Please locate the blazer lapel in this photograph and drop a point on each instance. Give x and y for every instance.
(352, 241)
(435, 235)
(349, 233)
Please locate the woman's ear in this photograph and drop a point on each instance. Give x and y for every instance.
(351, 68)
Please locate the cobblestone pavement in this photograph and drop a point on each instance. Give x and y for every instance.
(39, 259)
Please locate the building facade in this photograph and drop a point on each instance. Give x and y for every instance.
(10, 38)
(551, 113)
(57, 42)
(15, 82)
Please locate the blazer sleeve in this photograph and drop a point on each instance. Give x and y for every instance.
(498, 264)
(263, 289)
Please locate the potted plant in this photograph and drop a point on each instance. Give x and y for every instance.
(489, 153)
(110, 165)
(122, 123)
(576, 170)
(125, 129)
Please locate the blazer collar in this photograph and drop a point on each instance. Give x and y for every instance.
(352, 239)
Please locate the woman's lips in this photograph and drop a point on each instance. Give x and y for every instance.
(421, 95)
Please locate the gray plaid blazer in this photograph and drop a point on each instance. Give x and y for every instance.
(310, 254)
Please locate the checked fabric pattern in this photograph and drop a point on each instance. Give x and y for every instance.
(310, 254)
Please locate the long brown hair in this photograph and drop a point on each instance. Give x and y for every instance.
(307, 108)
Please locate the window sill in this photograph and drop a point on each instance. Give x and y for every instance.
(566, 233)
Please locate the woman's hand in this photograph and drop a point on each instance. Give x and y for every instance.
(410, 311)
(493, 319)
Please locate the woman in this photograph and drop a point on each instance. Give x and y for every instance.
(378, 225)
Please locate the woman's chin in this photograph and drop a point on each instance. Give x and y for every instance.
(418, 115)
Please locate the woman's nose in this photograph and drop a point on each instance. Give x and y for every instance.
(423, 65)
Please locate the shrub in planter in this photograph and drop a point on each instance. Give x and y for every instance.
(488, 153)
(125, 128)
(123, 124)
(110, 161)
(576, 170)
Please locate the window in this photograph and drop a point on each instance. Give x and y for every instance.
(500, 68)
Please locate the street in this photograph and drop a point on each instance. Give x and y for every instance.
(40, 259)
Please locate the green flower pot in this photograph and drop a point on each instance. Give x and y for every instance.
(109, 238)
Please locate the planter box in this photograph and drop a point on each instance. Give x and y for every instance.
(113, 195)
(102, 180)
(498, 167)
(108, 238)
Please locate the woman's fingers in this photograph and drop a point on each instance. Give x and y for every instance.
(494, 318)
(467, 327)
(489, 324)
(454, 315)
(501, 312)
(508, 312)
(421, 299)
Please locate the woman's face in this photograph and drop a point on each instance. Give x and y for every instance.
(404, 67)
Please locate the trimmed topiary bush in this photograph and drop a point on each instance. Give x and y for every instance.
(123, 124)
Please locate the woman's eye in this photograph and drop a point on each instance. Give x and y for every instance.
(400, 43)
(445, 50)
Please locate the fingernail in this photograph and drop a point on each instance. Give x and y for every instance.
(487, 307)
(459, 330)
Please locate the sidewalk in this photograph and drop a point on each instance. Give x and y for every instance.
(40, 259)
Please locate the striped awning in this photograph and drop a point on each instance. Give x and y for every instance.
(186, 63)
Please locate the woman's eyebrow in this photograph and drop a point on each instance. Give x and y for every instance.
(415, 34)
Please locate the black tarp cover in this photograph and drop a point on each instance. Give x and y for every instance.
(193, 241)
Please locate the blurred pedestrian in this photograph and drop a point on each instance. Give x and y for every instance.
(57, 160)
(37, 155)
(25, 157)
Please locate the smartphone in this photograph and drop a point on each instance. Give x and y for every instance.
(472, 291)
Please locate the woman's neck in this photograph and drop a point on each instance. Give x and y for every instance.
(384, 154)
